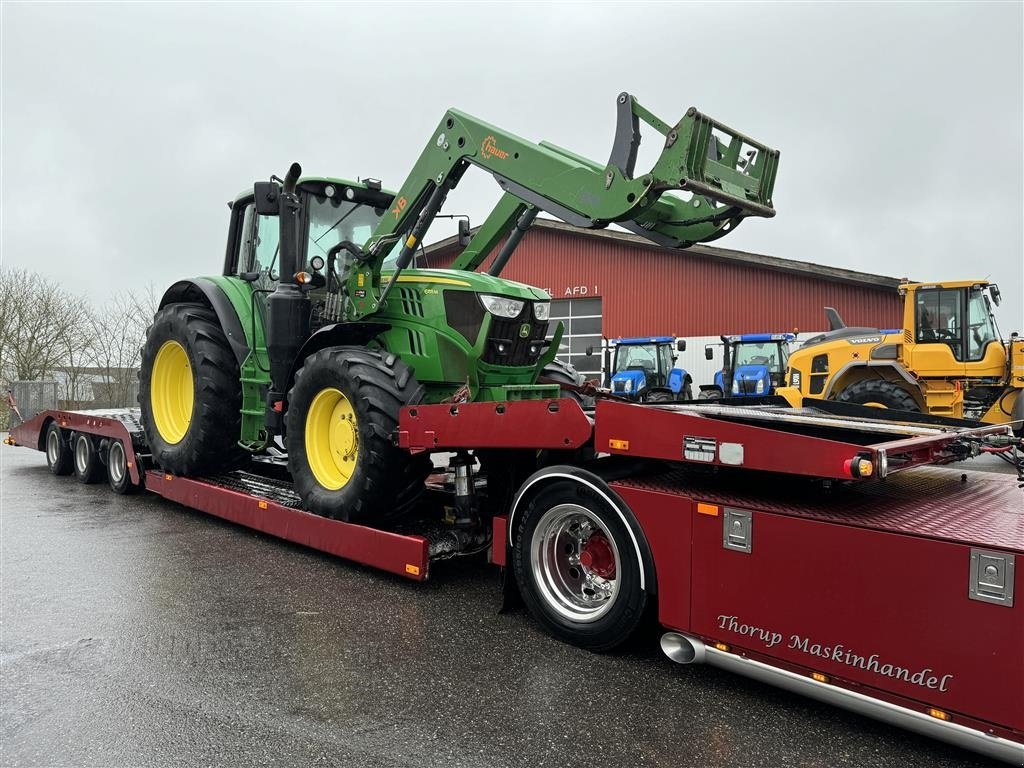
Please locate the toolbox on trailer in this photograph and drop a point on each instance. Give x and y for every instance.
(816, 552)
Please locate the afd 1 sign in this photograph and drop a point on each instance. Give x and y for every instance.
(574, 291)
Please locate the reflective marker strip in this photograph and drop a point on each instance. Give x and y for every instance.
(412, 569)
(707, 509)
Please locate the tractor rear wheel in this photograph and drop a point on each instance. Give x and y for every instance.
(879, 393)
(342, 412)
(189, 392)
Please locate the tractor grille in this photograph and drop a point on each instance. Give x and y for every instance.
(509, 344)
(748, 387)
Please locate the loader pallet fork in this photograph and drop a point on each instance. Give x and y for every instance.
(724, 175)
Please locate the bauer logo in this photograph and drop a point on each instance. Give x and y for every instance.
(490, 149)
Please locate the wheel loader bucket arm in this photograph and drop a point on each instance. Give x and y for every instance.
(707, 178)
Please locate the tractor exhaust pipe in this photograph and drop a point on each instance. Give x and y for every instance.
(288, 306)
(682, 649)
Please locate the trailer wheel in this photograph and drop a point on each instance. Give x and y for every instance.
(87, 459)
(189, 392)
(577, 568)
(118, 477)
(342, 412)
(879, 393)
(58, 452)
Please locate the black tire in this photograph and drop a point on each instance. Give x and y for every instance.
(687, 391)
(384, 479)
(86, 458)
(885, 393)
(710, 394)
(210, 442)
(660, 396)
(566, 373)
(58, 451)
(118, 476)
(625, 610)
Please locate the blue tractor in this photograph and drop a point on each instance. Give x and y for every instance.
(643, 370)
(753, 365)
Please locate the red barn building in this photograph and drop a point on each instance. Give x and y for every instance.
(609, 284)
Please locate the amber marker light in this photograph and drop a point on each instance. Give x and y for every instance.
(722, 647)
(618, 445)
(938, 714)
(819, 677)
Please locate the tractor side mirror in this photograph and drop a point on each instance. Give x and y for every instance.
(709, 353)
(464, 234)
(266, 193)
(681, 345)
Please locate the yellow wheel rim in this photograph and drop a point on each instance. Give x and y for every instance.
(172, 392)
(332, 439)
(873, 404)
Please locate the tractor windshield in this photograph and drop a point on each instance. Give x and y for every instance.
(635, 356)
(766, 353)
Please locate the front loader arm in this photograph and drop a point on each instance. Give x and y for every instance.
(724, 177)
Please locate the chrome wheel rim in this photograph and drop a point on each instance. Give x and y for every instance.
(575, 563)
(52, 446)
(116, 463)
(81, 454)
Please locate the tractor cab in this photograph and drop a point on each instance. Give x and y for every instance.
(753, 365)
(644, 369)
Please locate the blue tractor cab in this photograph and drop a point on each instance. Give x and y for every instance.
(753, 365)
(644, 370)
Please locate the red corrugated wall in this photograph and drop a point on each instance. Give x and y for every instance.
(649, 291)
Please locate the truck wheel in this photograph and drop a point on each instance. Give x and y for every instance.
(342, 412)
(87, 459)
(58, 452)
(879, 393)
(117, 469)
(710, 394)
(189, 392)
(576, 567)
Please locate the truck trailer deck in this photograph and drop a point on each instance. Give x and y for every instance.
(818, 553)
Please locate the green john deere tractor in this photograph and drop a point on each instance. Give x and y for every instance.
(320, 328)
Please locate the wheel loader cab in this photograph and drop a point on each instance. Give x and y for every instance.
(954, 331)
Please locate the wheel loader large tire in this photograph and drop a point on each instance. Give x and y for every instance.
(879, 393)
(189, 392)
(342, 413)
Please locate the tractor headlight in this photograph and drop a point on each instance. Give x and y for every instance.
(501, 306)
(629, 386)
(735, 386)
(759, 389)
(542, 310)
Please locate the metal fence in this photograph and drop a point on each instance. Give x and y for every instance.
(31, 397)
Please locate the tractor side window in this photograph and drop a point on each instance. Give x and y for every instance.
(939, 319)
(665, 353)
(247, 240)
(266, 251)
(981, 328)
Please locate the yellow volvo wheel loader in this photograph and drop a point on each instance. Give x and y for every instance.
(947, 360)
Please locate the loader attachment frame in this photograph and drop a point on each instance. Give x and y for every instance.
(723, 176)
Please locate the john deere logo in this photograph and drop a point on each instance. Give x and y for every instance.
(524, 330)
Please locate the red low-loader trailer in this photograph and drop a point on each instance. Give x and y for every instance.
(820, 553)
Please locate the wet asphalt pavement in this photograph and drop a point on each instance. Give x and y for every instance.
(138, 632)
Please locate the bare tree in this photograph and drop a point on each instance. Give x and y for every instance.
(118, 331)
(37, 320)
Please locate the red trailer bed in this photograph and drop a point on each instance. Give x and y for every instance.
(769, 547)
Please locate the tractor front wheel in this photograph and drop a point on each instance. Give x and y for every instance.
(879, 393)
(189, 392)
(342, 412)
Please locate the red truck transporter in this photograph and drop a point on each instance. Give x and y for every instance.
(815, 552)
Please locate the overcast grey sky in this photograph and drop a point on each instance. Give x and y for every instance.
(126, 127)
